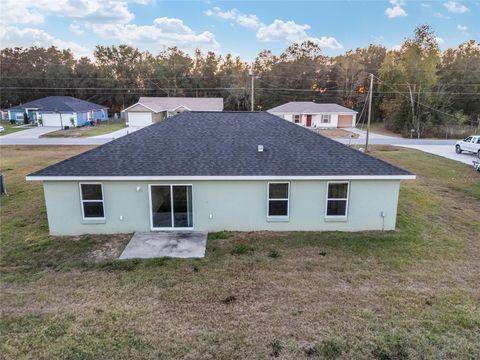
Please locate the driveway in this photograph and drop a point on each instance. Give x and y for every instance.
(446, 151)
(33, 133)
(176, 244)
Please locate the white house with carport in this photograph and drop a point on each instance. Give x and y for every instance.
(212, 171)
(58, 111)
(315, 115)
(153, 109)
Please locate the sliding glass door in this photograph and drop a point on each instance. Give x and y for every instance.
(171, 206)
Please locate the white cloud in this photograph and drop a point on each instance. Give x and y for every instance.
(441, 16)
(396, 10)
(248, 21)
(245, 20)
(34, 12)
(425, 5)
(396, 47)
(290, 31)
(455, 7)
(439, 40)
(462, 27)
(226, 15)
(163, 32)
(278, 30)
(75, 28)
(12, 36)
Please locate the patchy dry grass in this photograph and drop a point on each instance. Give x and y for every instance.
(335, 133)
(101, 129)
(412, 293)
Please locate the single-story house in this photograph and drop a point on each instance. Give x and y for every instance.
(315, 115)
(153, 109)
(212, 171)
(59, 111)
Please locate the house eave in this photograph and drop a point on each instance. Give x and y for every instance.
(218, 178)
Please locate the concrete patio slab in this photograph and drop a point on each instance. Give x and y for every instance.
(146, 245)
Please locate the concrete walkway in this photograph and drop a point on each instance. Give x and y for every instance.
(33, 133)
(446, 151)
(176, 244)
(118, 133)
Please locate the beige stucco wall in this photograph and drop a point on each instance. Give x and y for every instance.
(316, 119)
(233, 205)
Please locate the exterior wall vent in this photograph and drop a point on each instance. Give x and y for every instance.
(260, 148)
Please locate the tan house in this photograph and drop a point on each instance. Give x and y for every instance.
(153, 109)
(313, 115)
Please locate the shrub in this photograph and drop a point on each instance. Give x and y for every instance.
(276, 347)
(229, 299)
(240, 249)
(331, 349)
(273, 254)
(217, 235)
(13, 122)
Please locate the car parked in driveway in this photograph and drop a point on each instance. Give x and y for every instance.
(470, 144)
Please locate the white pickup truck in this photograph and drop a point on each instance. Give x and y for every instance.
(470, 144)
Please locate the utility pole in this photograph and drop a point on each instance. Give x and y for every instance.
(252, 95)
(370, 94)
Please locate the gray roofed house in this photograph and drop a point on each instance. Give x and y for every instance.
(214, 171)
(58, 110)
(153, 109)
(316, 115)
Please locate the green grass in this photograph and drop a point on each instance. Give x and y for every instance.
(104, 128)
(410, 293)
(9, 128)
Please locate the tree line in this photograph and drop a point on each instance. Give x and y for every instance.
(417, 86)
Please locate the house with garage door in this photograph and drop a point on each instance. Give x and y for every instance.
(58, 111)
(314, 115)
(212, 171)
(153, 109)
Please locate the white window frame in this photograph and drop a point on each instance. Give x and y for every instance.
(287, 199)
(83, 201)
(299, 118)
(152, 228)
(346, 204)
(329, 116)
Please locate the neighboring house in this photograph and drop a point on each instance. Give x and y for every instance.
(153, 109)
(212, 171)
(58, 111)
(314, 115)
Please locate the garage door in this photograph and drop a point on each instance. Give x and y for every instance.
(345, 121)
(139, 118)
(53, 120)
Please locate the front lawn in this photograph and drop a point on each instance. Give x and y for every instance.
(9, 128)
(412, 293)
(101, 129)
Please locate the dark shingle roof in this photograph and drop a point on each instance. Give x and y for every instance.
(222, 144)
(60, 103)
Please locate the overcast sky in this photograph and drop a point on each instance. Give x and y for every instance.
(238, 27)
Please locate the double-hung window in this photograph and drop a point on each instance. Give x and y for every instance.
(296, 119)
(326, 118)
(337, 199)
(278, 195)
(92, 201)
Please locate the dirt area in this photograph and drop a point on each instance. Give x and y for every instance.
(336, 133)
